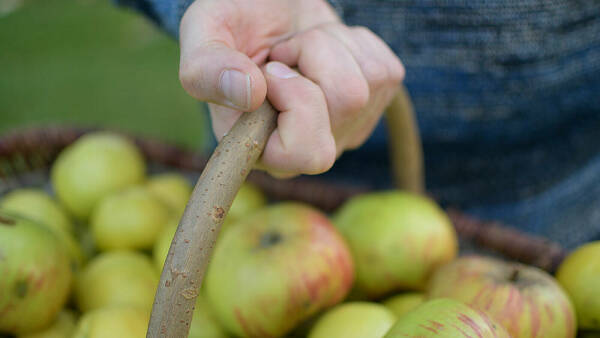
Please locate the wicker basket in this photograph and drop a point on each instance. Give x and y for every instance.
(26, 156)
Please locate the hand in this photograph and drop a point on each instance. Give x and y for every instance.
(347, 76)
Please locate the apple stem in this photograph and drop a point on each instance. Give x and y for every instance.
(269, 239)
(199, 226)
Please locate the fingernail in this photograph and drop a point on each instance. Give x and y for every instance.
(280, 70)
(235, 86)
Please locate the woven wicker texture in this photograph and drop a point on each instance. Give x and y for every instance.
(25, 157)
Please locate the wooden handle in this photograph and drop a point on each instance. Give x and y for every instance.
(215, 190)
(197, 232)
(406, 151)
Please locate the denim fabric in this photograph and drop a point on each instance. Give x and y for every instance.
(507, 94)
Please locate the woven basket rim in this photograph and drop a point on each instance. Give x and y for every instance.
(45, 142)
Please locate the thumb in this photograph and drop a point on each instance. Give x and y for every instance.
(212, 70)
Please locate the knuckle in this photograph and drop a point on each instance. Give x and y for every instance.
(311, 97)
(397, 72)
(354, 95)
(323, 157)
(376, 73)
(312, 94)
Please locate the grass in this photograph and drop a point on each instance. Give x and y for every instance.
(86, 62)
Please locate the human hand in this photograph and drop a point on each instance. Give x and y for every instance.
(347, 76)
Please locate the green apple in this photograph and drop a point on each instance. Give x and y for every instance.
(171, 188)
(35, 276)
(403, 303)
(129, 219)
(446, 318)
(86, 241)
(397, 239)
(116, 278)
(248, 200)
(163, 243)
(354, 320)
(113, 321)
(204, 323)
(276, 268)
(76, 254)
(94, 166)
(579, 274)
(38, 206)
(525, 300)
(63, 326)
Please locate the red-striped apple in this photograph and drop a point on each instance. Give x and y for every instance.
(276, 268)
(446, 318)
(525, 300)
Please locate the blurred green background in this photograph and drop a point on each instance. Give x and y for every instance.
(87, 62)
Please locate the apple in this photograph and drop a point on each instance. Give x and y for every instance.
(403, 303)
(35, 276)
(116, 278)
(446, 318)
(38, 206)
(276, 268)
(113, 321)
(76, 254)
(354, 320)
(63, 326)
(204, 323)
(129, 219)
(173, 189)
(525, 300)
(163, 243)
(579, 274)
(248, 200)
(94, 166)
(397, 239)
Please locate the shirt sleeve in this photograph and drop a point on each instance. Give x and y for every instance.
(165, 13)
(168, 13)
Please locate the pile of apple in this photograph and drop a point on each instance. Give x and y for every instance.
(83, 259)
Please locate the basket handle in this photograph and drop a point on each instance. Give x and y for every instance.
(226, 170)
(406, 151)
(204, 214)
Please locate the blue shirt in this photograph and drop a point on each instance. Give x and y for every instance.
(507, 95)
